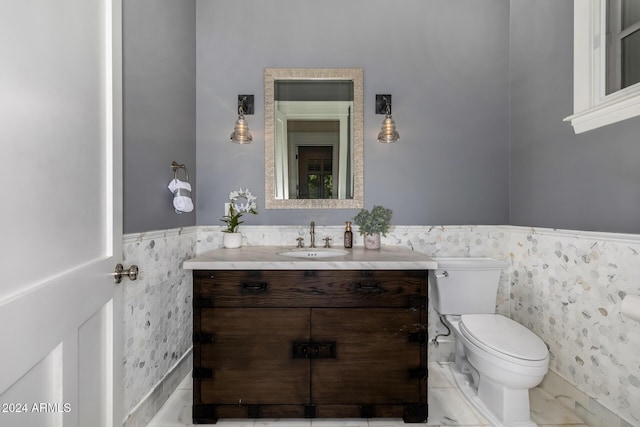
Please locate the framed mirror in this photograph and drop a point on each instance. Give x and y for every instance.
(313, 138)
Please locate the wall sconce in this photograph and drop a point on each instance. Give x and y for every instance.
(241, 134)
(388, 132)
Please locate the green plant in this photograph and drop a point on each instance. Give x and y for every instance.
(376, 221)
(236, 210)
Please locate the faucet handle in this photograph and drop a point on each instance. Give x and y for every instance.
(326, 242)
(300, 242)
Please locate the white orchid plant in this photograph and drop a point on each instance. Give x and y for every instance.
(240, 203)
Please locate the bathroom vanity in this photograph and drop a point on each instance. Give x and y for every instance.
(282, 336)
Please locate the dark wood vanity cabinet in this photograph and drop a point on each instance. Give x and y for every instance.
(309, 344)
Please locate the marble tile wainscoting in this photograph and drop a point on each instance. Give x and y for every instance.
(567, 286)
(157, 320)
(564, 285)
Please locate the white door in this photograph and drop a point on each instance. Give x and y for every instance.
(60, 155)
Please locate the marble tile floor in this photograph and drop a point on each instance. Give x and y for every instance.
(447, 407)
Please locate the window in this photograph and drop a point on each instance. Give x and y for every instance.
(606, 62)
(623, 44)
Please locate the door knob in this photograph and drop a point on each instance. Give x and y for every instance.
(120, 272)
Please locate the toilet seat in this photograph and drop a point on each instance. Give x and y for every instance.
(504, 338)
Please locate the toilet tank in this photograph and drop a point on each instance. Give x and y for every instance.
(465, 285)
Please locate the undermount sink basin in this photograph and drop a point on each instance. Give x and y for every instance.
(314, 253)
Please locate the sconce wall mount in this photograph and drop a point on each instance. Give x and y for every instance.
(388, 132)
(246, 102)
(382, 102)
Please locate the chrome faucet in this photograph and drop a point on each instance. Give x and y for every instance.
(312, 231)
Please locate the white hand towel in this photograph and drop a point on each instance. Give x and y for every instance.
(181, 195)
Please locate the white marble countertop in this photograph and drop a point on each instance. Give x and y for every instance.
(269, 258)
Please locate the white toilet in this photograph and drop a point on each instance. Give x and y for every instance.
(497, 360)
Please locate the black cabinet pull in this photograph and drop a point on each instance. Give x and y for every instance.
(314, 350)
(367, 288)
(255, 288)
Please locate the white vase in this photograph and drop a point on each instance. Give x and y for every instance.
(232, 240)
(372, 241)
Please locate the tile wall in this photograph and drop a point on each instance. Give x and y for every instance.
(157, 319)
(565, 286)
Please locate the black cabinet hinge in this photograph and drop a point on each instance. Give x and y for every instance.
(204, 414)
(418, 373)
(366, 411)
(253, 411)
(202, 338)
(309, 411)
(415, 413)
(417, 301)
(203, 302)
(200, 373)
(420, 337)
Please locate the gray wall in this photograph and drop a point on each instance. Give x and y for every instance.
(445, 63)
(589, 181)
(466, 90)
(159, 109)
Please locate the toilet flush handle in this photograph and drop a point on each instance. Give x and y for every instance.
(443, 274)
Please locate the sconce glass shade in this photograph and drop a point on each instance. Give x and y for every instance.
(388, 132)
(241, 134)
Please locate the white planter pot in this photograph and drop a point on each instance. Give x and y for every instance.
(372, 241)
(232, 240)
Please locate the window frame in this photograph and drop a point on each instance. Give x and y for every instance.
(591, 106)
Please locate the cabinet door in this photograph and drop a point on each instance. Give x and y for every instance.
(250, 356)
(375, 362)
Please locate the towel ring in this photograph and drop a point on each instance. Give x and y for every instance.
(177, 166)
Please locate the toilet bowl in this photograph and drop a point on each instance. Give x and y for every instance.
(497, 360)
(498, 366)
(519, 355)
